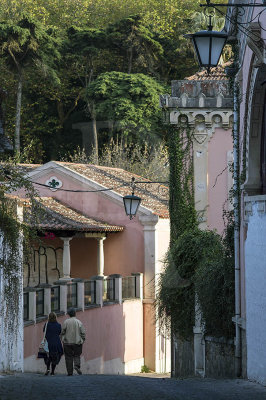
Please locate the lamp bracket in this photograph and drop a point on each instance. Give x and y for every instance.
(159, 189)
(209, 4)
(257, 46)
(133, 185)
(238, 11)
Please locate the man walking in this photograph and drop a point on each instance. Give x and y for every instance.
(73, 337)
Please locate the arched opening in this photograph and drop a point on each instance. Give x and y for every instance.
(256, 137)
(263, 149)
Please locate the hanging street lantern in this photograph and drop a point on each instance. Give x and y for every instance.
(131, 202)
(208, 46)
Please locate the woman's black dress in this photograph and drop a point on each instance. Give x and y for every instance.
(54, 343)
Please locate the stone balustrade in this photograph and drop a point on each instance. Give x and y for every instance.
(80, 294)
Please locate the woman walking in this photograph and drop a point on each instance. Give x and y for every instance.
(52, 336)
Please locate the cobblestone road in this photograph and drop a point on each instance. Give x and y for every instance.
(133, 387)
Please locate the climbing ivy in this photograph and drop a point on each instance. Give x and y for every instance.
(181, 181)
(198, 263)
(14, 232)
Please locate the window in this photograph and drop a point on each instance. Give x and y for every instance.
(39, 302)
(26, 306)
(72, 300)
(129, 287)
(89, 293)
(55, 298)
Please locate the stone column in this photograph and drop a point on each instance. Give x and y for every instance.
(199, 342)
(201, 177)
(32, 304)
(100, 259)
(150, 256)
(151, 264)
(66, 258)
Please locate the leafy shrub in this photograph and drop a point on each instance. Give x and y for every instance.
(198, 262)
(144, 369)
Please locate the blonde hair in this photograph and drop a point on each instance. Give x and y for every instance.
(52, 317)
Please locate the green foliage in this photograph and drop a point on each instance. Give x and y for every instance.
(136, 44)
(145, 369)
(63, 47)
(25, 44)
(181, 202)
(198, 262)
(148, 161)
(129, 99)
(14, 231)
(199, 267)
(26, 41)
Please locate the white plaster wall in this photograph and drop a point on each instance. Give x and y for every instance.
(255, 261)
(156, 243)
(163, 342)
(11, 340)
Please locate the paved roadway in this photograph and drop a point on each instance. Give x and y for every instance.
(129, 387)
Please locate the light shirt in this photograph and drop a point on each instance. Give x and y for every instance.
(73, 331)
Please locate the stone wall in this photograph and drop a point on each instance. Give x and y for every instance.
(183, 358)
(219, 358)
(244, 354)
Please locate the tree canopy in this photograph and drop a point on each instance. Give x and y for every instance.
(69, 50)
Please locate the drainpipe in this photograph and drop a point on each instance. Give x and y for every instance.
(236, 231)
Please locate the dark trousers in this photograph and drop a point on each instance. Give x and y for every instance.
(52, 359)
(72, 353)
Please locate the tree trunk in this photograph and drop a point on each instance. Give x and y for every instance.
(95, 134)
(18, 114)
(130, 60)
(60, 113)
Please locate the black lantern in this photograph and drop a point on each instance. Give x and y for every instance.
(131, 202)
(208, 46)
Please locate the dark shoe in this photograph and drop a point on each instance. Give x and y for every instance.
(47, 372)
(78, 370)
(52, 373)
(69, 374)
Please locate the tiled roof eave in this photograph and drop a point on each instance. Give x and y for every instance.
(80, 229)
(57, 216)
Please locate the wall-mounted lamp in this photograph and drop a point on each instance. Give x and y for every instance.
(208, 45)
(131, 202)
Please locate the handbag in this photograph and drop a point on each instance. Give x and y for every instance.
(43, 348)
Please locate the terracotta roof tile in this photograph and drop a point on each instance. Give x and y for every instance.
(59, 217)
(27, 167)
(216, 74)
(153, 196)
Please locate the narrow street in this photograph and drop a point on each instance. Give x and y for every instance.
(118, 387)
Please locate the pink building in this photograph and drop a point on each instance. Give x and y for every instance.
(90, 255)
(93, 257)
(251, 249)
(204, 103)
